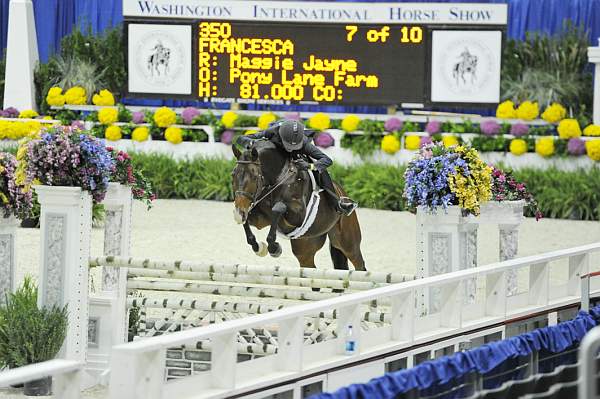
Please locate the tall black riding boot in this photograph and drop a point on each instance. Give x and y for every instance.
(342, 205)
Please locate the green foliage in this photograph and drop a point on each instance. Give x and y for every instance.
(29, 334)
(495, 143)
(78, 64)
(560, 194)
(365, 144)
(549, 68)
(564, 195)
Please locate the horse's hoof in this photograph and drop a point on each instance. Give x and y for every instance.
(277, 252)
(262, 249)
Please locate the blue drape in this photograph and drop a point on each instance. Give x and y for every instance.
(57, 18)
(483, 359)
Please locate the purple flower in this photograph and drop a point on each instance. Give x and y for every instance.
(490, 127)
(576, 146)
(137, 117)
(433, 127)
(11, 112)
(79, 125)
(393, 125)
(519, 129)
(188, 114)
(292, 116)
(324, 140)
(425, 140)
(227, 136)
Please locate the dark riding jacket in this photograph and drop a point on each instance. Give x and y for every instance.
(321, 160)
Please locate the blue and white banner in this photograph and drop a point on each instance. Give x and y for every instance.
(340, 12)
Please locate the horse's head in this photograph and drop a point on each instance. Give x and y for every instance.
(251, 177)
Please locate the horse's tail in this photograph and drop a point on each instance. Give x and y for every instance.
(340, 261)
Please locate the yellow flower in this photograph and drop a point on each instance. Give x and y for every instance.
(319, 121)
(592, 130)
(265, 119)
(474, 189)
(390, 144)
(506, 110)
(412, 142)
(545, 146)
(247, 132)
(449, 141)
(28, 114)
(554, 113)
(104, 98)
(518, 147)
(113, 133)
(55, 97)
(140, 134)
(568, 128)
(528, 111)
(592, 147)
(47, 118)
(165, 117)
(228, 119)
(173, 135)
(350, 123)
(76, 96)
(106, 116)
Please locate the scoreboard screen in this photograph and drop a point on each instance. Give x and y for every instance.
(273, 62)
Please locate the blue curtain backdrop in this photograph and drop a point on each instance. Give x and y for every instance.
(57, 18)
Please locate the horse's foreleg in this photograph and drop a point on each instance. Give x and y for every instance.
(274, 248)
(259, 248)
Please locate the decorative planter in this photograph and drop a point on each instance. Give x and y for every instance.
(8, 234)
(446, 242)
(66, 218)
(41, 387)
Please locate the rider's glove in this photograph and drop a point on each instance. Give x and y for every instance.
(302, 164)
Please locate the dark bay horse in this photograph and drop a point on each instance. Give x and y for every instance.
(271, 192)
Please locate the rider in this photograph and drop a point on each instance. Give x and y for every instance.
(288, 135)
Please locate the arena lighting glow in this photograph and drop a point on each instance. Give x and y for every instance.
(311, 63)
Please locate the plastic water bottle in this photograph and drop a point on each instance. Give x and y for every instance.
(350, 343)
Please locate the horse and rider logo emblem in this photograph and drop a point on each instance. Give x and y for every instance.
(467, 66)
(159, 58)
(465, 69)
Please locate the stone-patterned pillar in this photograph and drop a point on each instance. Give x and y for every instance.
(66, 225)
(117, 231)
(8, 258)
(446, 242)
(508, 215)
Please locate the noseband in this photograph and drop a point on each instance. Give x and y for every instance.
(258, 196)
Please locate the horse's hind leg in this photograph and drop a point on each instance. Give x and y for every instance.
(304, 249)
(346, 237)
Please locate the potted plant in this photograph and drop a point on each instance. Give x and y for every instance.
(510, 196)
(29, 334)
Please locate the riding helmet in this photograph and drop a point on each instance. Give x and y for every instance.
(292, 135)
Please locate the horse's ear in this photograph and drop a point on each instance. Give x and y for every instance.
(236, 151)
(254, 154)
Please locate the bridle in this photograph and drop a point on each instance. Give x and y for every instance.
(258, 196)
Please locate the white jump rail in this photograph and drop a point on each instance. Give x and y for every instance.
(137, 368)
(66, 373)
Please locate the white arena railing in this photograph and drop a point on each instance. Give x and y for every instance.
(67, 376)
(137, 368)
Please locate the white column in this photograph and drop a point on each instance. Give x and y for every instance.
(446, 242)
(66, 224)
(21, 56)
(594, 57)
(8, 237)
(117, 231)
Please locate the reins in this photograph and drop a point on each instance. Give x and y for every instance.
(259, 197)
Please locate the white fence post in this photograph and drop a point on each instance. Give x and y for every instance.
(137, 375)
(348, 316)
(578, 266)
(451, 305)
(8, 237)
(495, 294)
(539, 284)
(291, 341)
(68, 385)
(224, 361)
(117, 232)
(403, 317)
(66, 218)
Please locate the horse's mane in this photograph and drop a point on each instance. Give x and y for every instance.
(271, 157)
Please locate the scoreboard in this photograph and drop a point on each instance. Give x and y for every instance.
(286, 52)
(311, 63)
